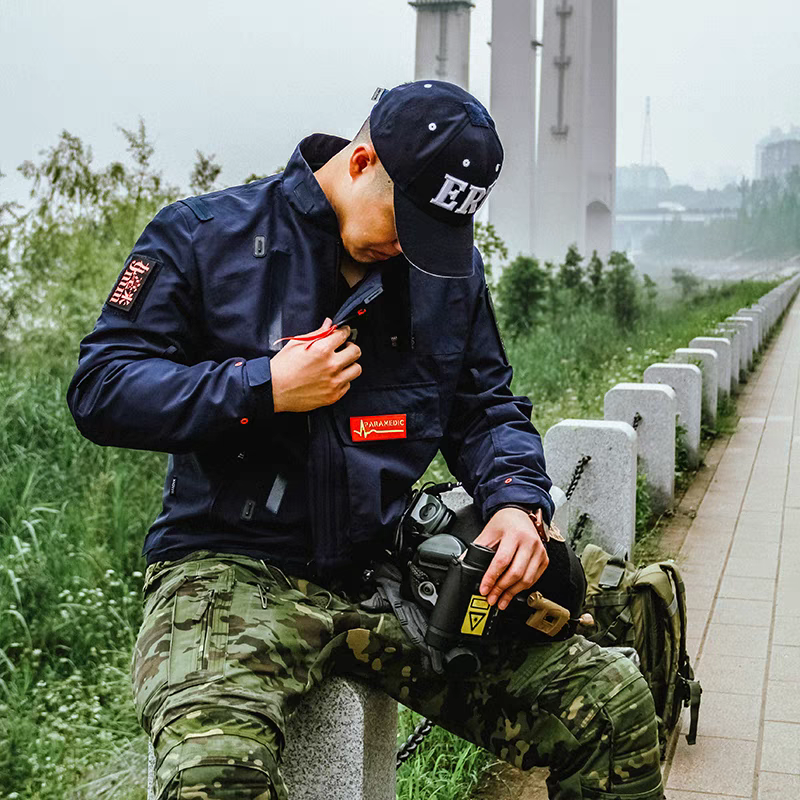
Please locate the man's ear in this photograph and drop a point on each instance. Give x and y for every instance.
(361, 159)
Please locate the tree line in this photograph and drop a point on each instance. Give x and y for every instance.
(767, 225)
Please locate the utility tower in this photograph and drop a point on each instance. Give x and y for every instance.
(443, 40)
(574, 192)
(513, 107)
(647, 137)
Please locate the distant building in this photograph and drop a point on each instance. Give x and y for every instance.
(778, 153)
(779, 158)
(642, 178)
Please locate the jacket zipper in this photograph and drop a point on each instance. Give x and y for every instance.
(325, 517)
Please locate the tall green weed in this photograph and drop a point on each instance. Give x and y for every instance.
(73, 515)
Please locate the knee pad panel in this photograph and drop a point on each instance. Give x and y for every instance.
(215, 764)
(625, 731)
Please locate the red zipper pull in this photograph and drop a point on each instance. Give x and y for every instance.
(310, 339)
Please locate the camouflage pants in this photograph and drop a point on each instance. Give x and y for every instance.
(229, 644)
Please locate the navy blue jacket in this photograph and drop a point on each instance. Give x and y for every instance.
(179, 362)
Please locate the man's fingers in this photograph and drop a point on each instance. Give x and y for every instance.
(513, 573)
(302, 339)
(498, 565)
(350, 373)
(322, 328)
(347, 356)
(536, 566)
(336, 339)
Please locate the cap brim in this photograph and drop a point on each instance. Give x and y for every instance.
(430, 245)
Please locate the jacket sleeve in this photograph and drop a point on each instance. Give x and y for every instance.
(489, 442)
(139, 383)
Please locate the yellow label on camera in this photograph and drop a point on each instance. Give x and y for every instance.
(476, 616)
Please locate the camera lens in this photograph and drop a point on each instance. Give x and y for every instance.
(427, 511)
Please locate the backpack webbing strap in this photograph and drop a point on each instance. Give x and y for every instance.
(693, 701)
(691, 691)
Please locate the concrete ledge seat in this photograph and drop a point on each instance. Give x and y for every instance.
(341, 744)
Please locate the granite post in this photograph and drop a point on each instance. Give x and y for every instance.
(651, 409)
(749, 313)
(341, 744)
(735, 337)
(606, 489)
(746, 329)
(722, 347)
(707, 360)
(686, 381)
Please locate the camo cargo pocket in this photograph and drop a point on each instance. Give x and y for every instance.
(150, 657)
(200, 622)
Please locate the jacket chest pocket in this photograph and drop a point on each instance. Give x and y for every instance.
(389, 435)
(380, 414)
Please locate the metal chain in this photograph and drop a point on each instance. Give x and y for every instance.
(413, 742)
(576, 475)
(579, 526)
(637, 418)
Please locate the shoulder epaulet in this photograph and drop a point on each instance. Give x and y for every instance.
(199, 208)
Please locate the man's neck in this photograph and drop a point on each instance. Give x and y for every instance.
(353, 271)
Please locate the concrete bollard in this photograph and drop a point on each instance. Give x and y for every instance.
(151, 771)
(341, 744)
(752, 334)
(686, 381)
(746, 330)
(606, 490)
(757, 316)
(651, 409)
(735, 337)
(767, 305)
(722, 347)
(707, 360)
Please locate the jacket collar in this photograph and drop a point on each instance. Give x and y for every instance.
(300, 186)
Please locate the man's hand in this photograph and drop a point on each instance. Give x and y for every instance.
(307, 378)
(521, 556)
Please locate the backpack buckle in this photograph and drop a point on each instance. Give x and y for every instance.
(612, 574)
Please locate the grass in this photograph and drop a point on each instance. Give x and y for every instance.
(446, 767)
(73, 518)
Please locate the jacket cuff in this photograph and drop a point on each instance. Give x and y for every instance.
(258, 378)
(519, 495)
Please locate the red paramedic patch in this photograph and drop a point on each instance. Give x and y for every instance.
(374, 429)
(130, 282)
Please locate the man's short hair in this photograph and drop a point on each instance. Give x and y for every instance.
(363, 137)
(363, 133)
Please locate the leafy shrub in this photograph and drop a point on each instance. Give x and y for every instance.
(522, 294)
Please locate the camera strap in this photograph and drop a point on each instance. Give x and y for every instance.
(388, 597)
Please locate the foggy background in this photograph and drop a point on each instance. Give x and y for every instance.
(247, 80)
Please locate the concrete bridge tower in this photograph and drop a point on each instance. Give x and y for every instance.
(443, 40)
(513, 108)
(576, 160)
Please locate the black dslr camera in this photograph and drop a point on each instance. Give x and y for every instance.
(443, 570)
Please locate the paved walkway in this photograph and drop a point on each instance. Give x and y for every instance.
(741, 562)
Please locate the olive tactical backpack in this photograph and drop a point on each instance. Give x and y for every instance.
(645, 608)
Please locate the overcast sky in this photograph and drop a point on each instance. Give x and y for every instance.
(247, 79)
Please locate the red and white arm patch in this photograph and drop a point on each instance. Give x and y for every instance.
(131, 281)
(375, 429)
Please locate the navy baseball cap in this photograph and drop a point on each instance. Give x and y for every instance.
(439, 146)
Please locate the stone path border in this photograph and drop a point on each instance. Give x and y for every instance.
(741, 559)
